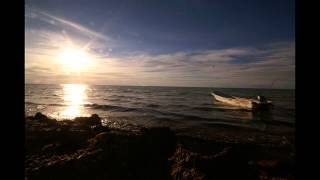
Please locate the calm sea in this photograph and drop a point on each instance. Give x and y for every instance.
(176, 107)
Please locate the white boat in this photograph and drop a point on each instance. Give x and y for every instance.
(251, 104)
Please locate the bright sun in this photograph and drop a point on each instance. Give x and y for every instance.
(73, 59)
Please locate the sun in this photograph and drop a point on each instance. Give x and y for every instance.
(73, 58)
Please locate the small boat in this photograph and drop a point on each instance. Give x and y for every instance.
(251, 104)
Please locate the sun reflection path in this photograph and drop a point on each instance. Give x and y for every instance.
(74, 97)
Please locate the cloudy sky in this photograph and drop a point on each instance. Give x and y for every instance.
(211, 43)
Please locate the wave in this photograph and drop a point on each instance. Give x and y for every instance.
(109, 107)
(153, 105)
(203, 108)
(122, 97)
(116, 99)
(32, 103)
(52, 104)
(179, 106)
(220, 109)
(117, 96)
(152, 112)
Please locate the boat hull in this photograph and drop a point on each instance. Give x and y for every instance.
(244, 103)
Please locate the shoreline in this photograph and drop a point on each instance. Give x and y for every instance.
(84, 149)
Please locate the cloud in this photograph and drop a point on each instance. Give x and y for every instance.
(217, 68)
(256, 66)
(262, 66)
(64, 23)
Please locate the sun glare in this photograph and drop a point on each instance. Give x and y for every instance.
(73, 59)
(74, 99)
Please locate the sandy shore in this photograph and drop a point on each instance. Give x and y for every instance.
(84, 149)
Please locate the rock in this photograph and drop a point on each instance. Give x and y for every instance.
(94, 120)
(185, 165)
(160, 140)
(40, 116)
(225, 153)
(194, 174)
(251, 163)
(82, 149)
(268, 163)
(99, 138)
(29, 118)
(48, 147)
(284, 140)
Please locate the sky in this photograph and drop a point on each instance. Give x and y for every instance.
(198, 43)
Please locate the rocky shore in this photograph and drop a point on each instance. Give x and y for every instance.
(85, 149)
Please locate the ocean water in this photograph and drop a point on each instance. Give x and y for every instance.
(176, 107)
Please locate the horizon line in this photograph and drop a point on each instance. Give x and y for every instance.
(163, 86)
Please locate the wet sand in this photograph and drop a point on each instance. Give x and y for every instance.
(84, 149)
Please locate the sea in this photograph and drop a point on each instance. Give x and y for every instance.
(146, 106)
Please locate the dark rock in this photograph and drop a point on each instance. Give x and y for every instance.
(29, 118)
(84, 149)
(94, 120)
(48, 147)
(217, 165)
(184, 165)
(268, 163)
(40, 116)
(160, 140)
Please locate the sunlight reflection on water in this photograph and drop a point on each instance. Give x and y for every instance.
(74, 96)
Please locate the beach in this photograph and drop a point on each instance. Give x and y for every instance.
(84, 148)
(159, 90)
